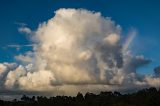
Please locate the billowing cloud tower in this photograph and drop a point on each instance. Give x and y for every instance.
(76, 50)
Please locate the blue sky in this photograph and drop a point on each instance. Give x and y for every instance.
(142, 15)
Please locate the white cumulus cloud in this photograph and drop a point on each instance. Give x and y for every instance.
(77, 50)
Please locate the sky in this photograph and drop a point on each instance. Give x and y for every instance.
(21, 35)
(142, 15)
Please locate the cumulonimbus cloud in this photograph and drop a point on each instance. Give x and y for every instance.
(77, 50)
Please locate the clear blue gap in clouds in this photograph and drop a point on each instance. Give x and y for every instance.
(142, 15)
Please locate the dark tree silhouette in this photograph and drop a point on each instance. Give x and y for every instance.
(144, 97)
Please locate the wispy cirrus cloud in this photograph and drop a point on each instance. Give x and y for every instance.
(18, 46)
(22, 24)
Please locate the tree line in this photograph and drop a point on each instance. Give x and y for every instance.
(144, 97)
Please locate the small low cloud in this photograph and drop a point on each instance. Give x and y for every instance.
(25, 30)
(26, 58)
